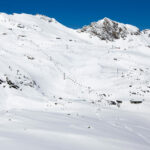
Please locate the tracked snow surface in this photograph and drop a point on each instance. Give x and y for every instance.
(66, 89)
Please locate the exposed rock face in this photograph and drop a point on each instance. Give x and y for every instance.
(107, 29)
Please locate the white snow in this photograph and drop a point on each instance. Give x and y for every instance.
(56, 86)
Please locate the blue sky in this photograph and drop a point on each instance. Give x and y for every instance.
(76, 13)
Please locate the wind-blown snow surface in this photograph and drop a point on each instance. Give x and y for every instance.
(64, 90)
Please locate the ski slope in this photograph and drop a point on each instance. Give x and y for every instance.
(63, 89)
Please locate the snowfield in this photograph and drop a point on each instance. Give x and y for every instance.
(66, 89)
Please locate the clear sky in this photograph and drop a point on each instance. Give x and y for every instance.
(76, 13)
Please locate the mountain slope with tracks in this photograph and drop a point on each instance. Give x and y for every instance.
(65, 89)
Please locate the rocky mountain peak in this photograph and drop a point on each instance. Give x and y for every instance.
(107, 29)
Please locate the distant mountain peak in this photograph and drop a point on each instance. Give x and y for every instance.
(106, 19)
(107, 29)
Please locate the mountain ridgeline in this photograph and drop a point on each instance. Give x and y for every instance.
(110, 30)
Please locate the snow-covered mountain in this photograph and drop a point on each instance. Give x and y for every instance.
(83, 89)
(147, 32)
(107, 29)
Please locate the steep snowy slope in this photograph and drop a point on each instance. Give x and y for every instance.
(73, 89)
